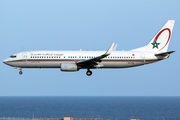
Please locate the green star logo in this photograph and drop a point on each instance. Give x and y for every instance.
(155, 44)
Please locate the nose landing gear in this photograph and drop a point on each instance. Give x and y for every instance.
(20, 70)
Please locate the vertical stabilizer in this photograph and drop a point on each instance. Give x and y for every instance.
(160, 41)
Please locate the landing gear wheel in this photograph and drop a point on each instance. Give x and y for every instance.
(20, 72)
(89, 73)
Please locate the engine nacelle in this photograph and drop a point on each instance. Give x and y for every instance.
(68, 67)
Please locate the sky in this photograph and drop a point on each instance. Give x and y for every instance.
(88, 25)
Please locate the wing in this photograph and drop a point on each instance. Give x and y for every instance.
(95, 62)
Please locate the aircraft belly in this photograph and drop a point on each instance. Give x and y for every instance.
(16, 64)
(105, 64)
(121, 64)
(44, 65)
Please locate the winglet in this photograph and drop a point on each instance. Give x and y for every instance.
(109, 51)
(115, 46)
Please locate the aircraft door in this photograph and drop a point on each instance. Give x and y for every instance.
(142, 58)
(24, 59)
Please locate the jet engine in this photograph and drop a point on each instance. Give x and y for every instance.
(69, 67)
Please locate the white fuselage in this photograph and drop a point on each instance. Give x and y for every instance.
(53, 59)
(70, 61)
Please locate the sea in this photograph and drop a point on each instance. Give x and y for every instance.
(113, 108)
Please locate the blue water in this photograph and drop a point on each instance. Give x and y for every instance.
(123, 108)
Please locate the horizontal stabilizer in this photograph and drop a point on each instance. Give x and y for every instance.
(164, 53)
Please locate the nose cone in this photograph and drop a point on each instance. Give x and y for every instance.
(6, 61)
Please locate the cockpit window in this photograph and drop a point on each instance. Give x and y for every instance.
(13, 56)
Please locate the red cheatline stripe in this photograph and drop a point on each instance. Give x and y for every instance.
(79, 60)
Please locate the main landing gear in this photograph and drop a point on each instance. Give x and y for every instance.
(20, 72)
(89, 72)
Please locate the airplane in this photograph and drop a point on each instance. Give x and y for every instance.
(71, 61)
